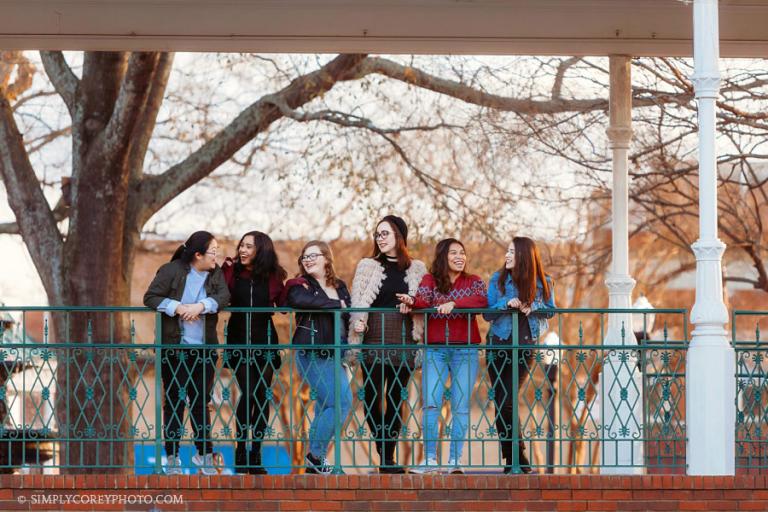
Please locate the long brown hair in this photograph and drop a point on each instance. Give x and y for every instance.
(439, 268)
(325, 249)
(403, 257)
(526, 272)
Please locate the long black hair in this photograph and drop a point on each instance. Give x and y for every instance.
(440, 269)
(265, 263)
(198, 242)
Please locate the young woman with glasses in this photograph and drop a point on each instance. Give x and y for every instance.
(189, 291)
(378, 281)
(318, 288)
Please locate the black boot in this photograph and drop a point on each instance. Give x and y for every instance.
(525, 465)
(241, 460)
(390, 467)
(388, 464)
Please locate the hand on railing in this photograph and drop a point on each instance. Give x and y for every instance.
(351, 358)
(405, 299)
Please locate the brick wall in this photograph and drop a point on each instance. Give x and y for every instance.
(386, 492)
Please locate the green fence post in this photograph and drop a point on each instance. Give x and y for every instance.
(515, 394)
(158, 395)
(339, 374)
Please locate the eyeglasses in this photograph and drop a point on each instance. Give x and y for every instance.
(311, 257)
(381, 235)
(212, 253)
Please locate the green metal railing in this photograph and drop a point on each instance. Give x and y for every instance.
(89, 394)
(751, 390)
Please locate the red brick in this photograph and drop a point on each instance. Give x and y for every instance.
(216, 494)
(617, 494)
(737, 494)
(601, 505)
(693, 505)
(753, 505)
(293, 505)
(555, 494)
(398, 495)
(326, 505)
(265, 505)
(572, 505)
(356, 506)
(587, 494)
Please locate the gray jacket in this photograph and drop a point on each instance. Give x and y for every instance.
(169, 283)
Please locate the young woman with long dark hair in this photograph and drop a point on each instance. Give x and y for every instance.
(448, 353)
(318, 288)
(521, 286)
(255, 280)
(378, 280)
(189, 291)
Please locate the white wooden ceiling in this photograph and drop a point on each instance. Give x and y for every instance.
(537, 27)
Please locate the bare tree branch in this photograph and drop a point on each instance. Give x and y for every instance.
(145, 126)
(159, 190)
(474, 96)
(36, 221)
(130, 100)
(61, 76)
(60, 212)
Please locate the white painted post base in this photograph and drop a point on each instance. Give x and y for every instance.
(710, 377)
(710, 384)
(621, 389)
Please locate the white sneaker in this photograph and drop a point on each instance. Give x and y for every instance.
(173, 466)
(205, 464)
(430, 466)
(454, 467)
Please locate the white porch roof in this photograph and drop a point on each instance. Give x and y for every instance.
(531, 27)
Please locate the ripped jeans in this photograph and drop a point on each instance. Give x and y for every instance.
(462, 365)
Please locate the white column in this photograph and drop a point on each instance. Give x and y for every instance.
(620, 391)
(710, 385)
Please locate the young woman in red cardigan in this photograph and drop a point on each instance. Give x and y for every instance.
(449, 338)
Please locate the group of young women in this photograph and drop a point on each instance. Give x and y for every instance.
(191, 289)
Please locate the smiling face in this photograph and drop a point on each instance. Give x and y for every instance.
(386, 239)
(457, 258)
(247, 250)
(509, 258)
(313, 262)
(205, 262)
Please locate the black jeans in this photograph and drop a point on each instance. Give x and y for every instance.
(501, 372)
(385, 424)
(188, 375)
(254, 377)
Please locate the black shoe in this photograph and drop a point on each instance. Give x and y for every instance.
(257, 470)
(525, 465)
(241, 464)
(317, 465)
(391, 468)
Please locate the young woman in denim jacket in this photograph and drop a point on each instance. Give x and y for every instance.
(519, 286)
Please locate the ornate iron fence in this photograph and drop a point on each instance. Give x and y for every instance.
(95, 389)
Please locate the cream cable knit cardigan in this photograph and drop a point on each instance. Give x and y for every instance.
(366, 285)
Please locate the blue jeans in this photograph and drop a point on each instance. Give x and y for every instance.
(321, 375)
(461, 364)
